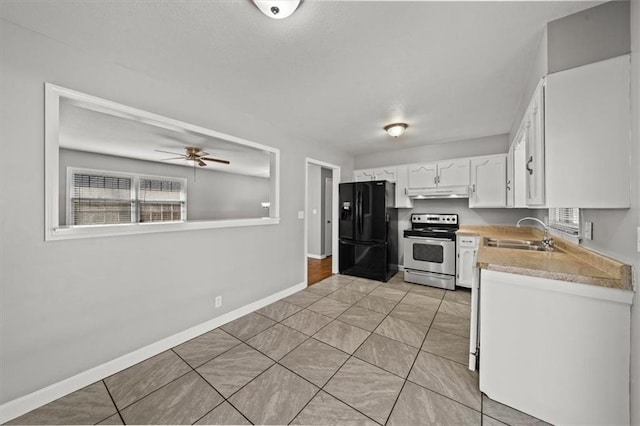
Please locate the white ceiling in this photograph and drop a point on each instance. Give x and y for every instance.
(103, 131)
(335, 71)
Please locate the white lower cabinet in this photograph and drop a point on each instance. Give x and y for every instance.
(488, 181)
(556, 350)
(466, 264)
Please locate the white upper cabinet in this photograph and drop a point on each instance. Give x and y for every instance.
(423, 176)
(510, 176)
(576, 133)
(363, 175)
(385, 173)
(519, 185)
(534, 129)
(488, 181)
(402, 186)
(437, 175)
(453, 173)
(587, 136)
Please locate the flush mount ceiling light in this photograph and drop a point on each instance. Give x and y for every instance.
(277, 9)
(396, 129)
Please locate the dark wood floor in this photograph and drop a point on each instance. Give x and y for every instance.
(318, 269)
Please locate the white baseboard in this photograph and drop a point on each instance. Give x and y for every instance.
(315, 256)
(24, 404)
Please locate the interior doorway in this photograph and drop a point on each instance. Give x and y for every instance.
(321, 197)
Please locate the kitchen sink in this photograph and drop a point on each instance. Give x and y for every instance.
(533, 245)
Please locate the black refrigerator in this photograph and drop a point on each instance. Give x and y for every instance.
(368, 230)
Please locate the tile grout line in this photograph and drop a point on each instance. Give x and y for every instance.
(155, 390)
(213, 387)
(350, 356)
(414, 361)
(439, 356)
(114, 404)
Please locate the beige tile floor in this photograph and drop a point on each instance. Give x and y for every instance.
(344, 351)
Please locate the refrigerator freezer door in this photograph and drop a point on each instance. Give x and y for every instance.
(364, 260)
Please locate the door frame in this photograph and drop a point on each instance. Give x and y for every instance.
(326, 182)
(335, 176)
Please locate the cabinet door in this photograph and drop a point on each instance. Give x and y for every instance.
(402, 183)
(385, 173)
(519, 175)
(587, 139)
(362, 175)
(422, 176)
(488, 181)
(510, 175)
(453, 173)
(466, 266)
(535, 148)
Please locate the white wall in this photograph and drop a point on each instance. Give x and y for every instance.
(213, 195)
(589, 36)
(314, 204)
(497, 144)
(635, 210)
(537, 70)
(62, 309)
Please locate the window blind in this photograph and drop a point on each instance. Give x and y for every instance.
(566, 220)
(160, 200)
(101, 199)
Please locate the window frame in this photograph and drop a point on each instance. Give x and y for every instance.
(53, 94)
(134, 197)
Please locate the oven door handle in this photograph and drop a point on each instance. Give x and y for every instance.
(429, 239)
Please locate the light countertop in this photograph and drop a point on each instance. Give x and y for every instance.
(569, 262)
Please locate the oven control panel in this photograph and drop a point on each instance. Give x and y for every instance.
(434, 219)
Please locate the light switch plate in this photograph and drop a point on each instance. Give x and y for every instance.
(588, 230)
(300, 214)
(314, 211)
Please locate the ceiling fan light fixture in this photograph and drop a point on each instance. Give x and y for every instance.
(277, 9)
(396, 129)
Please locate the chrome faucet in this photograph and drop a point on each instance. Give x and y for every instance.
(547, 242)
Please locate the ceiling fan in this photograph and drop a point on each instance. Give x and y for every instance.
(195, 154)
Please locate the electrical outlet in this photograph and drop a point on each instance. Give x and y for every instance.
(218, 301)
(314, 211)
(588, 230)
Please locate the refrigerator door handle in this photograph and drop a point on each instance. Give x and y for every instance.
(356, 227)
(359, 202)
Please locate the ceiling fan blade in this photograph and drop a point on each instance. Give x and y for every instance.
(215, 159)
(173, 158)
(169, 152)
(201, 163)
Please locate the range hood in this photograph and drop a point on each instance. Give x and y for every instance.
(442, 192)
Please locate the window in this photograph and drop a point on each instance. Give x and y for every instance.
(108, 198)
(160, 200)
(565, 222)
